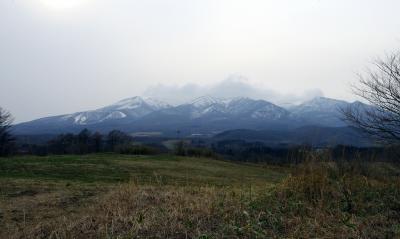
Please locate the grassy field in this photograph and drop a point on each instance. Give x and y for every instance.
(36, 190)
(119, 196)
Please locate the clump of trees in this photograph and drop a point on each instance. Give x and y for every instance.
(82, 143)
(117, 139)
(6, 138)
(184, 148)
(86, 142)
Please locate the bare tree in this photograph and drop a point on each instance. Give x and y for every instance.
(380, 87)
(6, 139)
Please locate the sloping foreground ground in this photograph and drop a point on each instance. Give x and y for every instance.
(115, 196)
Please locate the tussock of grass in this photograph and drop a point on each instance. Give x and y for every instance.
(339, 200)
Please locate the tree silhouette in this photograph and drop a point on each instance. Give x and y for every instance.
(380, 87)
(97, 139)
(6, 139)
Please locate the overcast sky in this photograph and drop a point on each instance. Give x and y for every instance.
(62, 56)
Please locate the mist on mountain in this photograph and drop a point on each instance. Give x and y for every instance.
(233, 86)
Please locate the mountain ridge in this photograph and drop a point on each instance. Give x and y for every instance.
(203, 115)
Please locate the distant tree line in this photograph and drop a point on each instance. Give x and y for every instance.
(258, 152)
(86, 142)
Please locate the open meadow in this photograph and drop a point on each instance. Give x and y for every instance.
(120, 196)
(45, 190)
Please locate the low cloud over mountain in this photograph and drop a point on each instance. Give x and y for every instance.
(233, 86)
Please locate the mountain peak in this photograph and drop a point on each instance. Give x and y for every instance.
(320, 111)
(322, 103)
(156, 103)
(240, 98)
(137, 102)
(321, 99)
(205, 101)
(129, 103)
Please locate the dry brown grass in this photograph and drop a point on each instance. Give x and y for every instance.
(133, 211)
(80, 197)
(318, 200)
(340, 200)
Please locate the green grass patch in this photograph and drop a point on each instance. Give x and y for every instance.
(113, 168)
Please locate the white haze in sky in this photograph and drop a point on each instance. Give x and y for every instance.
(62, 56)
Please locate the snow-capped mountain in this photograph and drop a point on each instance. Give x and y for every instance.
(121, 112)
(132, 108)
(206, 101)
(206, 114)
(208, 106)
(137, 103)
(320, 111)
(319, 104)
(256, 109)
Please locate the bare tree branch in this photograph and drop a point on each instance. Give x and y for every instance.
(380, 88)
